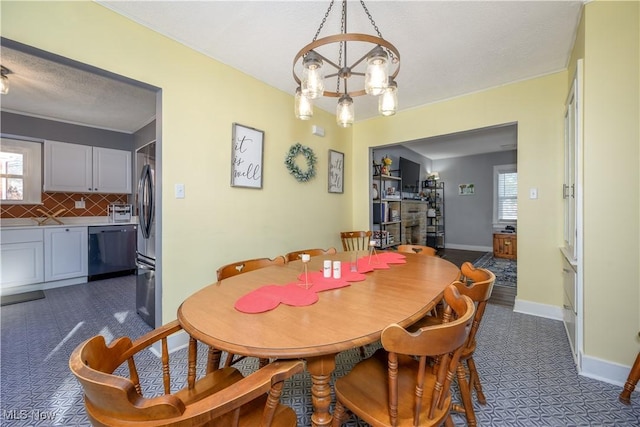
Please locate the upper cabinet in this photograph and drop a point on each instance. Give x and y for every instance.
(571, 189)
(84, 169)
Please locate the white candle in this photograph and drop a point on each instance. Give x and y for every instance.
(326, 270)
(306, 257)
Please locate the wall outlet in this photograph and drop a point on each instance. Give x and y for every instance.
(80, 204)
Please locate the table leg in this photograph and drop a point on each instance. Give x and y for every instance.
(320, 369)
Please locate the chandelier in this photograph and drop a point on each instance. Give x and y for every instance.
(4, 80)
(372, 73)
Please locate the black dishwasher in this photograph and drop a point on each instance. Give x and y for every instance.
(112, 250)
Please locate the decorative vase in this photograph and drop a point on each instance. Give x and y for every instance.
(375, 191)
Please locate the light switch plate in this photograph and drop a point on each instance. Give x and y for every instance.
(179, 191)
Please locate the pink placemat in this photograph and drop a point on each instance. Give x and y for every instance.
(303, 293)
(269, 297)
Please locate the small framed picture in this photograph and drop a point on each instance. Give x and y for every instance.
(246, 156)
(466, 189)
(336, 172)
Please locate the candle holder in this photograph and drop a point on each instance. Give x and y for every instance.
(305, 260)
(372, 250)
(354, 262)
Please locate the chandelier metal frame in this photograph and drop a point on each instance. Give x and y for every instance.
(342, 70)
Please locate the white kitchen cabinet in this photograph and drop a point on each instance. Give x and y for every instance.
(84, 169)
(21, 258)
(66, 253)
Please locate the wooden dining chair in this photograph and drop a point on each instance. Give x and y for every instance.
(477, 284)
(240, 267)
(355, 240)
(418, 249)
(294, 256)
(220, 397)
(396, 386)
(632, 380)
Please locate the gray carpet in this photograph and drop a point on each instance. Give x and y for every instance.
(524, 362)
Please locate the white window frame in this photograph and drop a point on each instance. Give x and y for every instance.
(497, 170)
(32, 170)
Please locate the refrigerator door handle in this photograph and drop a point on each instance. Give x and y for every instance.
(145, 201)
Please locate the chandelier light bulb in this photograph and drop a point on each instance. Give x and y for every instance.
(303, 106)
(312, 76)
(388, 101)
(345, 114)
(377, 76)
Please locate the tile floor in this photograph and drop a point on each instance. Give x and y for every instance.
(525, 364)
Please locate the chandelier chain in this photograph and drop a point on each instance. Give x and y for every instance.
(343, 29)
(375, 27)
(326, 15)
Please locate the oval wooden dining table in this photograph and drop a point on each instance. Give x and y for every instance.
(341, 319)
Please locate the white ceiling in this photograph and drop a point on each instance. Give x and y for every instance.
(447, 48)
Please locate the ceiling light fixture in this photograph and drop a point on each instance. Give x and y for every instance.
(4, 80)
(370, 73)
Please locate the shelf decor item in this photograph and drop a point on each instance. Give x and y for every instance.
(336, 172)
(246, 158)
(386, 165)
(290, 161)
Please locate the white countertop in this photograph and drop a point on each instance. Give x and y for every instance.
(18, 223)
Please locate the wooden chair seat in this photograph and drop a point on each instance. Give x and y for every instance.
(239, 267)
(222, 397)
(294, 256)
(397, 386)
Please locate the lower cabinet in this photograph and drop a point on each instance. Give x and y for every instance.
(505, 245)
(66, 253)
(31, 258)
(569, 311)
(21, 258)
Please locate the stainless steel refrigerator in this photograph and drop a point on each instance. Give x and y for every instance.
(146, 250)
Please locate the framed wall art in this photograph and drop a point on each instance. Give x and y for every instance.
(336, 172)
(247, 148)
(466, 189)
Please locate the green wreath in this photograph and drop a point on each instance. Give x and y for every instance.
(293, 168)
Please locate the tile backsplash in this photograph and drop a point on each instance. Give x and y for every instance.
(95, 205)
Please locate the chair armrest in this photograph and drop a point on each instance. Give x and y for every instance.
(152, 337)
(249, 388)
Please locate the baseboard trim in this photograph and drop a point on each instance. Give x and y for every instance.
(469, 247)
(536, 309)
(589, 366)
(605, 370)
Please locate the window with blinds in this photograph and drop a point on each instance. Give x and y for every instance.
(505, 194)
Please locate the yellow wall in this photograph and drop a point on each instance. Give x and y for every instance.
(611, 179)
(537, 106)
(215, 224)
